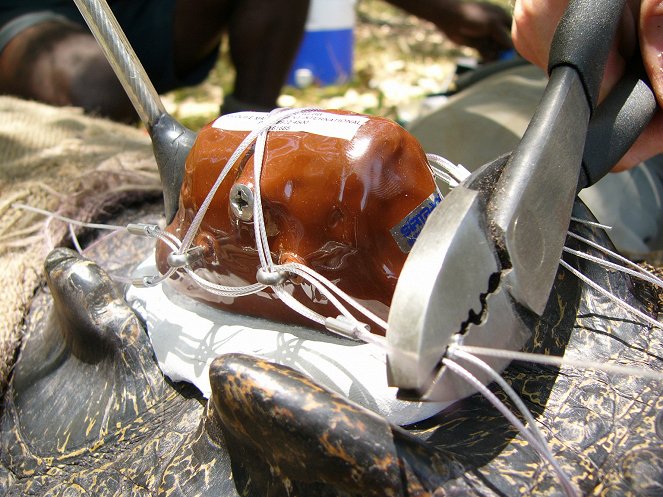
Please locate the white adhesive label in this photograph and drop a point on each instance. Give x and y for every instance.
(318, 123)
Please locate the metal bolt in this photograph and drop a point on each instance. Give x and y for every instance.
(241, 202)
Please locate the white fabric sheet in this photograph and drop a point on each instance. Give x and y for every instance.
(187, 335)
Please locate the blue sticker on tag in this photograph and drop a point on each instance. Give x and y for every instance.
(406, 232)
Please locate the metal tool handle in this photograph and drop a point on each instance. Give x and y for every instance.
(123, 59)
(583, 40)
(171, 141)
(532, 209)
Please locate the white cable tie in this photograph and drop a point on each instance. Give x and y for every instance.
(453, 174)
(300, 268)
(606, 293)
(260, 232)
(528, 435)
(75, 222)
(558, 361)
(610, 253)
(650, 278)
(273, 118)
(591, 223)
(297, 306)
(74, 238)
(455, 351)
(222, 290)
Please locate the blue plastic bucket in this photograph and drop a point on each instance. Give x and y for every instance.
(325, 56)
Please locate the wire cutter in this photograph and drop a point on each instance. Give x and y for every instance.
(492, 247)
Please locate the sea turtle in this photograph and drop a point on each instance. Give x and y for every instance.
(88, 412)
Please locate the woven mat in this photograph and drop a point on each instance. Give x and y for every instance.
(60, 160)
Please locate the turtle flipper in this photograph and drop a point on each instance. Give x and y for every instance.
(89, 408)
(340, 448)
(88, 366)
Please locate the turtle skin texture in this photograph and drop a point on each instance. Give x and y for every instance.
(88, 412)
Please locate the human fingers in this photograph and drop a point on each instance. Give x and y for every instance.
(648, 144)
(534, 24)
(651, 44)
(650, 35)
(534, 27)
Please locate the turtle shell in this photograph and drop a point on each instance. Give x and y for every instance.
(88, 412)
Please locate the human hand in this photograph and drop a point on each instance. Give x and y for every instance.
(534, 24)
(479, 25)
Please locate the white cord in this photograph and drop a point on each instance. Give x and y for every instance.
(75, 222)
(273, 118)
(349, 325)
(542, 449)
(591, 223)
(610, 296)
(547, 454)
(609, 252)
(558, 361)
(611, 265)
(447, 171)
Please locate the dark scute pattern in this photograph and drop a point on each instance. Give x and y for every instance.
(88, 411)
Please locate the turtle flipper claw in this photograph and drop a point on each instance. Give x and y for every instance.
(89, 362)
(341, 448)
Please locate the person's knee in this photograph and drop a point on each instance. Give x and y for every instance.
(61, 64)
(93, 85)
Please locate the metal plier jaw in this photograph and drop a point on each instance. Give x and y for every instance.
(446, 292)
(490, 251)
(493, 244)
(495, 241)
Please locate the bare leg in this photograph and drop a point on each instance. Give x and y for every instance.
(477, 24)
(264, 36)
(61, 64)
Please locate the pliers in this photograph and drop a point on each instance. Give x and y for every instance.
(492, 247)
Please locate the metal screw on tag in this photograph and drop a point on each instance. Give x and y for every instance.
(241, 202)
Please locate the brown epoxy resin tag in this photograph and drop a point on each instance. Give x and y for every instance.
(329, 202)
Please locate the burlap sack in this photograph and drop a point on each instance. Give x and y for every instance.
(60, 160)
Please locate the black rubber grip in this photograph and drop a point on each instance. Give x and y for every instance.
(583, 39)
(616, 124)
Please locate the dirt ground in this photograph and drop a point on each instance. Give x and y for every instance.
(398, 60)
